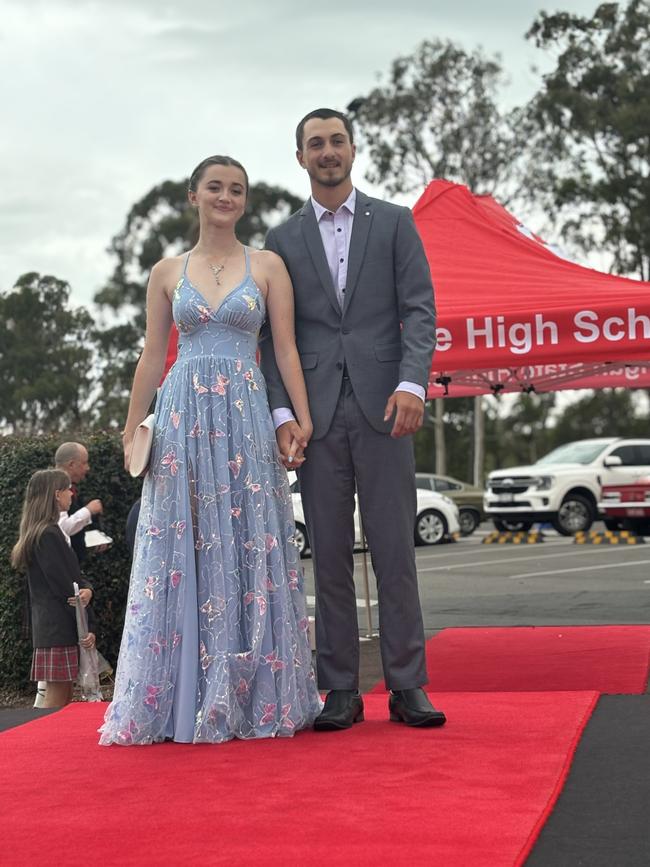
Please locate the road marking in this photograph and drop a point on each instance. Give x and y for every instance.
(480, 549)
(581, 569)
(544, 556)
(361, 603)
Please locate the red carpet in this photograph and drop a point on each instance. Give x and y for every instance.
(608, 659)
(472, 794)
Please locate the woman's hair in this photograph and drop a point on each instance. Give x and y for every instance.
(217, 160)
(40, 510)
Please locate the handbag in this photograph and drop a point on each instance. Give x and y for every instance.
(141, 447)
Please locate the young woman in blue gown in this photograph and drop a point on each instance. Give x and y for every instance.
(216, 642)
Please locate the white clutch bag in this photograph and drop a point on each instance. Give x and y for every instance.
(141, 447)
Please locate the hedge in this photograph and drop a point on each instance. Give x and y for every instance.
(108, 572)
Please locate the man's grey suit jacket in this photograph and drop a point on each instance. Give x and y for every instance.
(385, 332)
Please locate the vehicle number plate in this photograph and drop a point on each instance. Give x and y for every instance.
(505, 498)
(635, 513)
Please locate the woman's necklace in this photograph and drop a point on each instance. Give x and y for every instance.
(218, 268)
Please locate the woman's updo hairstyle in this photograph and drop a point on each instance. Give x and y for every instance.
(217, 160)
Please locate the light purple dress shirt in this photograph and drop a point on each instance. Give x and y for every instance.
(335, 231)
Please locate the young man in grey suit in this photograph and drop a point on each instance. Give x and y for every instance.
(365, 330)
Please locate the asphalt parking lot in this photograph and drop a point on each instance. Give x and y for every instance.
(467, 583)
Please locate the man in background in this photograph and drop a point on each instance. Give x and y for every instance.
(73, 458)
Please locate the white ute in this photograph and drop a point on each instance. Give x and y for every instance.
(564, 487)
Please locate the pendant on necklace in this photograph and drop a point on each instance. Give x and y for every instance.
(216, 270)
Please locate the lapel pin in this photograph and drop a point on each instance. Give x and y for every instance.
(367, 213)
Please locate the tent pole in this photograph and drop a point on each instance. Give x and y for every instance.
(479, 441)
(439, 436)
(366, 584)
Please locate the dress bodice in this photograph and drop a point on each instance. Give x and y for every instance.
(229, 330)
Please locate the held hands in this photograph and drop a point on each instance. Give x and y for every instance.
(292, 441)
(409, 413)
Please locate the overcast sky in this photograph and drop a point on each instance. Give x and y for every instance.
(102, 100)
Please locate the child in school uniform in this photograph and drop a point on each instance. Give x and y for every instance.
(43, 551)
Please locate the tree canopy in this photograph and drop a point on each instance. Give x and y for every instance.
(593, 134)
(46, 357)
(436, 115)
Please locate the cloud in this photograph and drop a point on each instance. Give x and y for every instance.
(106, 99)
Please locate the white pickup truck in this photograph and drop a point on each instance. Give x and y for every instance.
(564, 487)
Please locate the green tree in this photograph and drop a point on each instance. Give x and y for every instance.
(46, 357)
(437, 116)
(162, 223)
(459, 446)
(610, 412)
(523, 435)
(592, 119)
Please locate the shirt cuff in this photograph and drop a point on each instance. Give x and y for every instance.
(412, 388)
(72, 524)
(281, 415)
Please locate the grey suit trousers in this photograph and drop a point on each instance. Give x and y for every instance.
(384, 470)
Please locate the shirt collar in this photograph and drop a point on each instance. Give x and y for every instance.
(349, 204)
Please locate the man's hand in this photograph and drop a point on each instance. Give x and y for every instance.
(409, 413)
(95, 507)
(292, 442)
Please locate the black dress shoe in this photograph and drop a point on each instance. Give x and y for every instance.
(412, 706)
(343, 708)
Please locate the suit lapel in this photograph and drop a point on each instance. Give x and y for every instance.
(314, 243)
(358, 240)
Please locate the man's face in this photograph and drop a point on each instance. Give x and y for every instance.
(327, 153)
(78, 468)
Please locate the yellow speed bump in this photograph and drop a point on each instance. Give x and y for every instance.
(513, 538)
(608, 537)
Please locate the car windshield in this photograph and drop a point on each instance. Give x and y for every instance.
(582, 452)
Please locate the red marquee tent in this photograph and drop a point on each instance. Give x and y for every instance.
(513, 314)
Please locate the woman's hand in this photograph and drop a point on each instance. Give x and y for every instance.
(88, 641)
(127, 445)
(307, 429)
(292, 442)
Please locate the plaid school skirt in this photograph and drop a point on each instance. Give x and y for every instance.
(55, 663)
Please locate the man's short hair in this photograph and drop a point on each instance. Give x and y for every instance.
(323, 114)
(67, 452)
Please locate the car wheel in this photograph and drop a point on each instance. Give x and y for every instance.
(513, 526)
(302, 542)
(469, 520)
(430, 527)
(575, 515)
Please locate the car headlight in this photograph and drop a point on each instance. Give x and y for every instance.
(543, 483)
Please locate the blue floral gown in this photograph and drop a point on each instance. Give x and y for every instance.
(215, 642)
